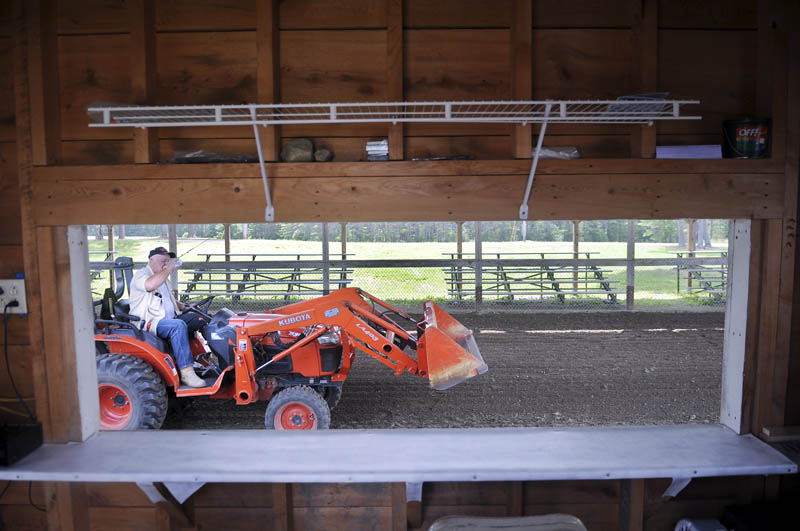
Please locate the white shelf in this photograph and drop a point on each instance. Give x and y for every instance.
(523, 112)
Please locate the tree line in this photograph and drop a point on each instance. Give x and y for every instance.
(661, 231)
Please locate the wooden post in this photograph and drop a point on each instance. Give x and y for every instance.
(282, 507)
(644, 75)
(227, 236)
(478, 267)
(326, 261)
(631, 505)
(143, 76)
(690, 248)
(576, 236)
(111, 254)
(521, 72)
(630, 282)
(399, 507)
(268, 71)
(173, 248)
(394, 73)
(516, 498)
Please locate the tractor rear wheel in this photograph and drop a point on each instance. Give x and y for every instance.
(297, 408)
(332, 394)
(132, 394)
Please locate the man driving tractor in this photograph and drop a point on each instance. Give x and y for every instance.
(152, 301)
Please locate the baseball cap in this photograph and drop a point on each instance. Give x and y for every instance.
(160, 250)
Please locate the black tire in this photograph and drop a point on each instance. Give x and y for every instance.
(332, 394)
(297, 408)
(140, 388)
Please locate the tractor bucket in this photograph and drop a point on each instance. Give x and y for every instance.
(450, 350)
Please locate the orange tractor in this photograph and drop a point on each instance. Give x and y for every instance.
(296, 357)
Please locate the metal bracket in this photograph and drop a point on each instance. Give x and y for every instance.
(523, 208)
(269, 212)
(677, 485)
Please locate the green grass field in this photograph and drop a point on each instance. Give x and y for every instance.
(655, 286)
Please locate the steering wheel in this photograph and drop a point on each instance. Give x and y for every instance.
(200, 307)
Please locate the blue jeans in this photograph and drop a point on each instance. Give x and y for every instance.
(175, 331)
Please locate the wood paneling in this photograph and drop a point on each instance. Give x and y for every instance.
(97, 152)
(463, 493)
(206, 68)
(581, 64)
(326, 66)
(521, 75)
(11, 260)
(268, 72)
(7, 127)
(121, 518)
(324, 518)
(93, 16)
(709, 14)
(21, 359)
(580, 14)
(332, 14)
(457, 14)
(143, 75)
(22, 517)
(233, 495)
(207, 15)
(478, 147)
(722, 77)
(544, 492)
(457, 65)
(116, 495)
(6, 19)
(10, 220)
(92, 69)
(395, 72)
(342, 494)
(215, 518)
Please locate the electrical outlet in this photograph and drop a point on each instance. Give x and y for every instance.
(13, 289)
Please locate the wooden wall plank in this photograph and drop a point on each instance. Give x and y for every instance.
(282, 506)
(233, 495)
(268, 72)
(22, 517)
(206, 68)
(478, 147)
(93, 68)
(11, 260)
(465, 493)
(234, 520)
(7, 128)
(329, 66)
(521, 74)
(6, 19)
(332, 14)
(581, 14)
(322, 518)
(581, 64)
(116, 495)
(122, 518)
(17, 494)
(342, 494)
(92, 16)
(713, 14)
(598, 492)
(399, 507)
(191, 15)
(20, 356)
(457, 65)
(457, 14)
(723, 77)
(10, 214)
(97, 152)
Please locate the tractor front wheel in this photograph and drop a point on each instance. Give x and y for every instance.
(297, 408)
(132, 394)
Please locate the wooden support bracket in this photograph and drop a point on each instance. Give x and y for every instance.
(163, 499)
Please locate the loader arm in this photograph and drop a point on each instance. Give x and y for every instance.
(446, 352)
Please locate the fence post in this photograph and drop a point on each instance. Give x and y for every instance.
(326, 261)
(629, 288)
(478, 267)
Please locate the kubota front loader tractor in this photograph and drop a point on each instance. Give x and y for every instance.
(296, 357)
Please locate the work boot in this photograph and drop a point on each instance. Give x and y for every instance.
(190, 379)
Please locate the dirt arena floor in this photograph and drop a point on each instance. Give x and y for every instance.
(545, 369)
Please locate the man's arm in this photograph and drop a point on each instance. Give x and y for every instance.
(153, 283)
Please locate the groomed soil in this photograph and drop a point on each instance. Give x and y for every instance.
(545, 369)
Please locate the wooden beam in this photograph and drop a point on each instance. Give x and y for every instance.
(45, 111)
(399, 512)
(771, 79)
(143, 75)
(282, 507)
(521, 72)
(268, 71)
(631, 505)
(394, 73)
(644, 67)
(441, 198)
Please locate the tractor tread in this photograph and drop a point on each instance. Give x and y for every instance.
(146, 387)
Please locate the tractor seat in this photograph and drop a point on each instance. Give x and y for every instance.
(122, 306)
(151, 339)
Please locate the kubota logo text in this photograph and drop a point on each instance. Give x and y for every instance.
(295, 319)
(368, 332)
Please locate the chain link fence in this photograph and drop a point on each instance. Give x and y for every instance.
(253, 274)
